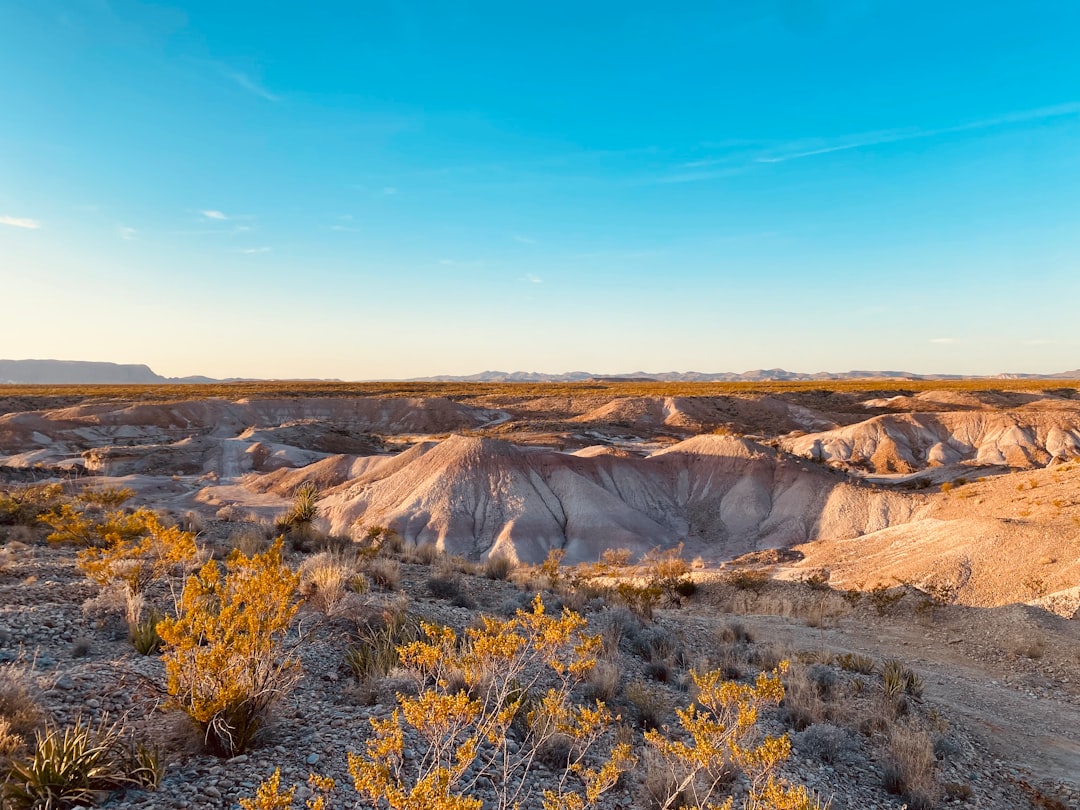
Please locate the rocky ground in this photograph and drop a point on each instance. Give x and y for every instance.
(1000, 701)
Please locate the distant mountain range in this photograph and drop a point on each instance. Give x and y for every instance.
(757, 375)
(79, 372)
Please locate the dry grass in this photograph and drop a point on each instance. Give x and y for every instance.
(385, 572)
(249, 540)
(498, 567)
(20, 714)
(325, 579)
(604, 680)
(649, 704)
(804, 699)
(911, 769)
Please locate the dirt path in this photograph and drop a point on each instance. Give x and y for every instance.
(1036, 733)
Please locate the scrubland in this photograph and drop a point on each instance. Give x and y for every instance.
(612, 595)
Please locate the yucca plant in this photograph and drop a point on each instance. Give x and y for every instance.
(144, 635)
(70, 766)
(305, 507)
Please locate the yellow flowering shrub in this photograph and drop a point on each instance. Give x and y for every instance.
(719, 738)
(139, 554)
(520, 670)
(224, 658)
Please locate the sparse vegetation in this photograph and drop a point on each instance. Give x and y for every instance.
(911, 770)
(224, 658)
(77, 765)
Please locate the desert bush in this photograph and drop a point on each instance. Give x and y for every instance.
(105, 497)
(655, 644)
(882, 597)
(444, 582)
(498, 566)
(224, 657)
(619, 623)
(249, 541)
(501, 664)
(911, 768)
(826, 742)
(87, 526)
(734, 633)
(385, 572)
(78, 765)
(817, 580)
(669, 573)
(23, 506)
(270, 796)
(748, 580)
(803, 702)
(131, 562)
(640, 599)
(375, 653)
(722, 735)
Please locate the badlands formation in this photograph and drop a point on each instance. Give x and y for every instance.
(933, 525)
(875, 483)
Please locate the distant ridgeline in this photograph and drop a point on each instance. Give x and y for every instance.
(79, 372)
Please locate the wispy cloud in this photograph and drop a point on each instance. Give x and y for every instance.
(532, 278)
(212, 214)
(944, 340)
(708, 174)
(805, 149)
(251, 251)
(525, 240)
(127, 233)
(389, 190)
(20, 222)
(252, 86)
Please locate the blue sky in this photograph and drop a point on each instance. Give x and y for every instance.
(393, 189)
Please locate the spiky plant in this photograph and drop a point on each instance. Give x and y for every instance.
(305, 507)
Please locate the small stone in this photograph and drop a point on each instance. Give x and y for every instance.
(64, 682)
(212, 792)
(239, 759)
(93, 703)
(312, 759)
